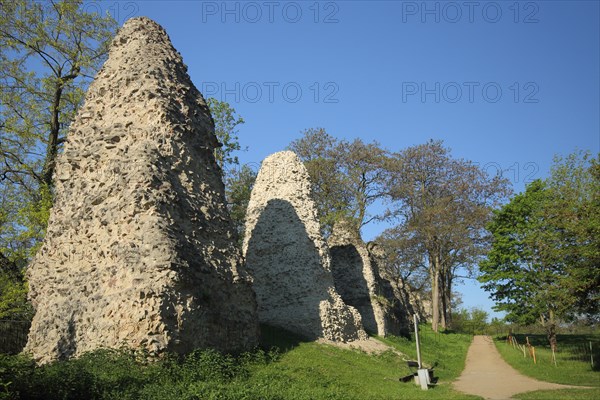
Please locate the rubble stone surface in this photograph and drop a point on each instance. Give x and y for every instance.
(358, 280)
(409, 301)
(288, 258)
(140, 249)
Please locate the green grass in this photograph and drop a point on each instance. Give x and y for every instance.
(313, 370)
(572, 367)
(447, 351)
(562, 394)
(299, 370)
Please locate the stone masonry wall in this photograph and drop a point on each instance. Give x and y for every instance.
(288, 258)
(358, 280)
(140, 249)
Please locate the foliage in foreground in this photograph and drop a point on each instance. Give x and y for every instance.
(300, 371)
(110, 374)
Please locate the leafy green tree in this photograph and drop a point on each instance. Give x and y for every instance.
(50, 52)
(226, 128)
(574, 212)
(238, 188)
(238, 180)
(443, 204)
(520, 279)
(497, 326)
(472, 321)
(543, 264)
(479, 320)
(13, 299)
(13, 291)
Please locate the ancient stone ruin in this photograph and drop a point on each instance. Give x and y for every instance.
(288, 258)
(408, 302)
(140, 249)
(358, 280)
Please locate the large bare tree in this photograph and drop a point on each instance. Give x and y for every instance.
(444, 204)
(347, 176)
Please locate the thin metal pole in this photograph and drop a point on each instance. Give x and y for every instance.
(417, 340)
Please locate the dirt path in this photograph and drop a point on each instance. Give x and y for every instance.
(486, 374)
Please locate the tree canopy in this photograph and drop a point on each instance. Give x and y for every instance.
(346, 176)
(226, 129)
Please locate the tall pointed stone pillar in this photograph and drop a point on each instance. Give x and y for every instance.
(140, 249)
(288, 258)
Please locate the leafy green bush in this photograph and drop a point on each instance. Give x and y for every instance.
(123, 375)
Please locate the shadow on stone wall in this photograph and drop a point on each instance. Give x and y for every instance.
(286, 268)
(399, 318)
(347, 269)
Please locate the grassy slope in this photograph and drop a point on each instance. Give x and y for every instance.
(314, 370)
(567, 371)
(563, 394)
(300, 371)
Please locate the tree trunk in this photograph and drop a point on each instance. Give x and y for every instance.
(52, 149)
(449, 299)
(435, 291)
(551, 330)
(443, 301)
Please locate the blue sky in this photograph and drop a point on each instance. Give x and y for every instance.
(506, 84)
